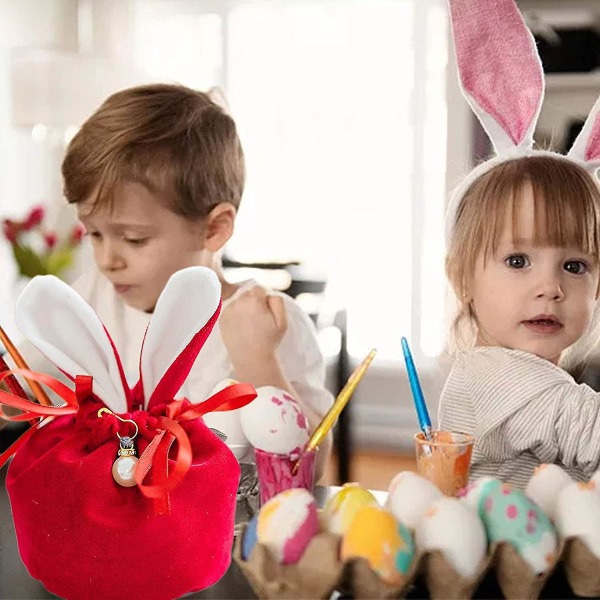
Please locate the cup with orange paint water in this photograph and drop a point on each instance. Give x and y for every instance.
(445, 459)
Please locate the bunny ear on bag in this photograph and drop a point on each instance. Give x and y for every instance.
(67, 331)
(586, 147)
(500, 69)
(184, 316)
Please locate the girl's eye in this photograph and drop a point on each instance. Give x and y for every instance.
(136, 241)
(577, 267)
(517, 261)
(95, 235)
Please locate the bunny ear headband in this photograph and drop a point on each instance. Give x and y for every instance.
(502, 78)
(70, 334)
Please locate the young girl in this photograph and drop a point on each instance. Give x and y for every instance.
(523, 258)
(157, 175)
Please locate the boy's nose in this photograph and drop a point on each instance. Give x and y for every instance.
(108, 258)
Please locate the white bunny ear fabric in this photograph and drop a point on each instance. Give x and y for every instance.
(586, 147)
(66, 330)
(189, 301)
(500, 69)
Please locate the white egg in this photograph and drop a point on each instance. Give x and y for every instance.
(274, 422)
(409, 496)
(578, 514)
(454, 529)
(545, 485)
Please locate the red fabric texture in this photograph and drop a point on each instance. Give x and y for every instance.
(84, 536)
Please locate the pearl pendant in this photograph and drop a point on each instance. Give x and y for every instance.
(123, 470)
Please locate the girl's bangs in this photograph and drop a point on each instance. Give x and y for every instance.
(566, 206)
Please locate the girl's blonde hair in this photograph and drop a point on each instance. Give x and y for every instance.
(566, 213)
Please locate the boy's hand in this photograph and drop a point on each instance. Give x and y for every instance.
(252, 326)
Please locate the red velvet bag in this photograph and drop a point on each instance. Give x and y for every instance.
(81, 533)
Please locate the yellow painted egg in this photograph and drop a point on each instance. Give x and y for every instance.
(387, 544)
(340, 509)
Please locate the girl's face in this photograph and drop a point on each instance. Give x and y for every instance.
(530, 297)
(140, 243)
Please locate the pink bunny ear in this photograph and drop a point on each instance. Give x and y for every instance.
(184, 316)
(586, 147)
(500, 70)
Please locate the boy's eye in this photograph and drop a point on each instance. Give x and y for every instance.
(517, 261)
(136, 241)
(577, 267)
(96, 235)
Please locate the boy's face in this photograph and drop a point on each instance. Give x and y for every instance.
(533, 298)
(140, 243)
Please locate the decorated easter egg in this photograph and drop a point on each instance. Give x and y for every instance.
(409, 496)
(452, 527)
(340, 509)
(472, 494)
(376, 535)
(274, 422)
(510, 516)
(578, 514)
(250, 538)
(287, 523)
(545, 485)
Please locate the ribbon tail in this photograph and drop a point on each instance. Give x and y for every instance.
(15, 446)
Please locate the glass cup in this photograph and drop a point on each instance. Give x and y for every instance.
(445, 459)
(275, 473)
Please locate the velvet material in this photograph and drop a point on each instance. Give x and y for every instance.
(86, 537)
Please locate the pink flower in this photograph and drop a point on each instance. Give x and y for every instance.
(34, 217)
(50, 239)
(10, 229)
(77, 233)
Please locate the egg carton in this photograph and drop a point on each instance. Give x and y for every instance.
(320, 573)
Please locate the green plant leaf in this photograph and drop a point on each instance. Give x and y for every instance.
(29, 263)
(59, 260)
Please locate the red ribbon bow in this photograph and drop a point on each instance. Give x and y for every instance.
(155, 457)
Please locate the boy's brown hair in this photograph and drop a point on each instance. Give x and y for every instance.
(174, 140)
(567, 213)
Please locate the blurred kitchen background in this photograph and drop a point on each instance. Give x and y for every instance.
(354, 131)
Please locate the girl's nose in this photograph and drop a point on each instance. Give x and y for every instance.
(551, 288)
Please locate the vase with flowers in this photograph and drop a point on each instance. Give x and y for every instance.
(39, 250)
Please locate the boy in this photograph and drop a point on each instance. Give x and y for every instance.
(157, 175)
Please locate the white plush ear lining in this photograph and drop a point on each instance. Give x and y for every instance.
(586, 148)
(500, 70)
(70, 334)
(190, 298)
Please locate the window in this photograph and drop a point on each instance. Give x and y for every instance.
(341, 106)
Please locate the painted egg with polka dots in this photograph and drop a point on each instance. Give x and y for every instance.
(510, 516)
(387, 544)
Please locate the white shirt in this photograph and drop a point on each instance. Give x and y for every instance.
(523, 411)
(299, 354)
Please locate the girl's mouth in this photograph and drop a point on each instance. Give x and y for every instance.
(543, 325)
